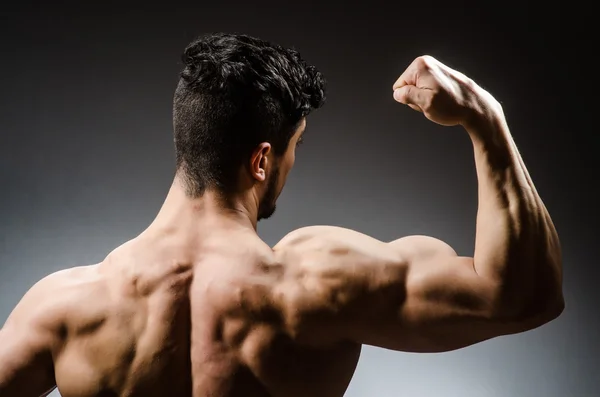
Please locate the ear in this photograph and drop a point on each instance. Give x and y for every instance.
(259, 161)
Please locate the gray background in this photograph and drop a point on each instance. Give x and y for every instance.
(86, 151)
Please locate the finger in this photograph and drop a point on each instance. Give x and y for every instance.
(406, 78)
(412, 96)
(410, 75)
(401, 82)
(417, 73)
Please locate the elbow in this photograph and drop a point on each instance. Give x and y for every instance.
(546, 314)
(555, 308)
(530, 309)
(548, 301)
(534, 298)
(528, 317)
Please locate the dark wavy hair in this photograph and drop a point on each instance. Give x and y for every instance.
(235, 92)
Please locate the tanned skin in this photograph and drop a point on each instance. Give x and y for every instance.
(198, 305)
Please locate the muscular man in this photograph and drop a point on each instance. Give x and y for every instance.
(197, 305)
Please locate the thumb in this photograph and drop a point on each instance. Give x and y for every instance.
(412, 96)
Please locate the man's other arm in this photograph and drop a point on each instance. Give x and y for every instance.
(27, 340)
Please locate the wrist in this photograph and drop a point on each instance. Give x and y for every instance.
(489, 134)
(483, 114)
(486, 123)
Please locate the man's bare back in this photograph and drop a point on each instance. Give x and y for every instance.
(198, 305)
(143, 324)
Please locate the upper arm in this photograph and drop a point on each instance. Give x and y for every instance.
(413, 294)
(27, 341)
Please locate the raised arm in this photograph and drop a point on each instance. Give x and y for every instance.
(415, 293)
(27, 341)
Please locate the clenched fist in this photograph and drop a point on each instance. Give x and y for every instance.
(443, 95)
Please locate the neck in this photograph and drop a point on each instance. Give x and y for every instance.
(193, 217)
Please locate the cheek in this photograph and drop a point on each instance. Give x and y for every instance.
(289, 159)
(292, 161)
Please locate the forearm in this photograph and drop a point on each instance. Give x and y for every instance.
(516, 244)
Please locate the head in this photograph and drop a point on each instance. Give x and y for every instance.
(238, 114)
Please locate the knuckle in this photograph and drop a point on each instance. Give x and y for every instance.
(469, 83)
(425, 61)
(429, 100)
(421, 62)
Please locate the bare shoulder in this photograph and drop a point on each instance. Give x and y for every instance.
(37, 330)
(49, 301)
(328, 270)
(324, 255)
(327, 241)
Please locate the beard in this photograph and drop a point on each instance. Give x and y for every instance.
(267, 206)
